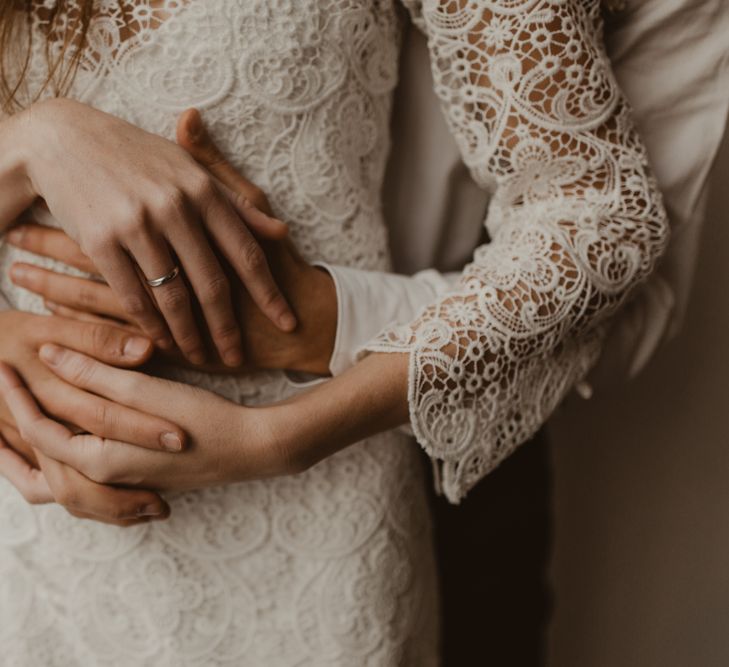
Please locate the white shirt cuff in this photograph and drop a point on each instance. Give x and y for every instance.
(369, 301)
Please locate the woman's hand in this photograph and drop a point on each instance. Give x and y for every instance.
(132, 198)
(310, 290)
(228, 443)
(21, 335)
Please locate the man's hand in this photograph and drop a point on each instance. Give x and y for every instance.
(310, 290)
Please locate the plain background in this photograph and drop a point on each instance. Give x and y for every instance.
(641, 480)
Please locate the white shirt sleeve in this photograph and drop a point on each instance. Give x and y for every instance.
(369, 301)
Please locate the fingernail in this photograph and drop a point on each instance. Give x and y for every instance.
(15, 236)
(233, 357)
(171, 442)
(51, 354)
(197, 357)
(50, 305)
(287, 322)
(150, 510)
(194, 127)
(135, 347)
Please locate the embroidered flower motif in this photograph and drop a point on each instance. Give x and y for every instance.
(497, 33)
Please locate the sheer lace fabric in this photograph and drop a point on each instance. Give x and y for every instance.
(575, 222)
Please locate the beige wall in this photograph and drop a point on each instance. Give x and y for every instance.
(641, 562)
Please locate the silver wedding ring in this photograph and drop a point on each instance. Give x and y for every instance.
(158, 282)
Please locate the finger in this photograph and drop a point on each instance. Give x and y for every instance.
(109, 343)
(80, 293)
(79, 316)
(250, 263)
(126, 284)
(34, 427)
(124, 387)
(110, 420)
(100, 416)
(260, 223)
(49, 437)
(212, 290)
(30, 482)
(50, 242)
(153, 256)
(193, 136)
(12, 437)
(87, 499)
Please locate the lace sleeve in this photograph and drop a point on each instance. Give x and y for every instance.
(576, 220)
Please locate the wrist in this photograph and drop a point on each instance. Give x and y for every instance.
(17, 192)
(318, 313)
(369, 398)
(36, 125)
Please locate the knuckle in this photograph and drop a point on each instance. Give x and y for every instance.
(135, 221)
(97, 244)
(216, 290)
(100, 337)
(172, 203)
(252, 256)
(86, 297)
(203, 188)
(227, 331)
(104, 419)
(80, 371)
(133, 305)
(175, 300)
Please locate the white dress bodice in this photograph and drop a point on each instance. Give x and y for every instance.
(330, 567)
(334, 566)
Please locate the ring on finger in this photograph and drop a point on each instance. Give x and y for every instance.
(163, 280)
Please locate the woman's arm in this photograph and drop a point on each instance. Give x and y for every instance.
(227, 443)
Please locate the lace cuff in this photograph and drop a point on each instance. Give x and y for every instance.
(576, 222)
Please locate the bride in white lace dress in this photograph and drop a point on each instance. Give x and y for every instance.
(333, 564)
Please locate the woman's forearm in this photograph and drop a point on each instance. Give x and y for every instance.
(16, 189)
(369, 398)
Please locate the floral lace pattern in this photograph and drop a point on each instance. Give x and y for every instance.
(576, 221)
(331, 567)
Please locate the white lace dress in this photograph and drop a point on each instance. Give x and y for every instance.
(334, 566)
